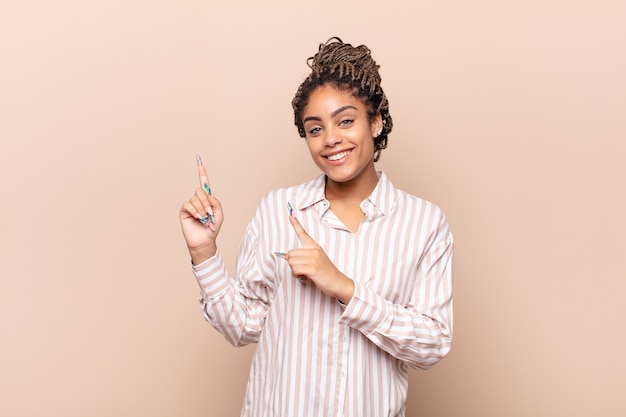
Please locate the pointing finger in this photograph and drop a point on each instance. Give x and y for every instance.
(204, 182)
(303, 236)
(204, 178)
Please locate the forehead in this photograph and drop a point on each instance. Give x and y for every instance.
(327, 98)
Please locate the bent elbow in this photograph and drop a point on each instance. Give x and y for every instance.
(427, 355)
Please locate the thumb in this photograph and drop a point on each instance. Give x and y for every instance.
(306, 240)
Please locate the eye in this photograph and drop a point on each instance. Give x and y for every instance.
(315, 130)
(346, 122)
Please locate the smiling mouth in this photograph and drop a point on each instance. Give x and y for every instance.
(338, 156)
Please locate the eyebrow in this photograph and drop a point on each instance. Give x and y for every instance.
(333, 114)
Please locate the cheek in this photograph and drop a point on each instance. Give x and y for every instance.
(313, 147)
(367, 139)
(312, 144)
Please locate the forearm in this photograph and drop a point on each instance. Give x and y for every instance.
(237, 317)
(406, 333)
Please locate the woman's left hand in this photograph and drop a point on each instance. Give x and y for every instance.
(311, 262)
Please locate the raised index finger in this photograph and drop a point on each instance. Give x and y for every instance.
(303, 236)
(204, 178)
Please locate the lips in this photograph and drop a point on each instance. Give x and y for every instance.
(339, 155)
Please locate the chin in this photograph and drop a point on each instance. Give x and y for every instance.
(340, 177)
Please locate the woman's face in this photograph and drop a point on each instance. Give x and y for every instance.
(340, 136)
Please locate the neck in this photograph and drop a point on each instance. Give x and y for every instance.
(355, 190)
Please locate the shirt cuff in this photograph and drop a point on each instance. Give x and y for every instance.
(211, 275)
(365, 311)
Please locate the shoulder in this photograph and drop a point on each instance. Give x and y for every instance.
(405, 198)
(296, 194)
(276, 200)
(390, 196)
(423, 212)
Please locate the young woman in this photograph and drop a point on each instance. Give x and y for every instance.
(344, 282)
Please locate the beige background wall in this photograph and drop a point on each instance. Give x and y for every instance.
(509, 115)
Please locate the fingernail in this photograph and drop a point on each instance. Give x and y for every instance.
(281, 255)
(290, 209)
(210, 216)
(204, 219)
(198, 159)
(207, 188)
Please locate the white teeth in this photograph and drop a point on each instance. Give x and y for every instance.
(337, 156)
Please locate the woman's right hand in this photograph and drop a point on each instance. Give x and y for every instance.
(200, 219)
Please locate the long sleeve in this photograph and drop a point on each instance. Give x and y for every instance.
(236, 306)
(419, 333)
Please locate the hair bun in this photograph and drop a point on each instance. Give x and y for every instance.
(335, 55)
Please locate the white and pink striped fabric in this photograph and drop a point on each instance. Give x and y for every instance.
(316, 356)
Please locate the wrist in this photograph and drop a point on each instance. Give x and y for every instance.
(202, 253)
(347, 291)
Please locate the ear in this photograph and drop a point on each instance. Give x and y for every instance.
(376, 125)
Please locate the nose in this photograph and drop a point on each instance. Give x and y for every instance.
(333, 137)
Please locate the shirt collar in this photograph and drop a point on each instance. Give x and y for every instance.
(379, 202)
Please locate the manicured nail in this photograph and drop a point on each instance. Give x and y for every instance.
(281, 255)
(209, 213)
(198, 159)
(208, 208)
(290, 209)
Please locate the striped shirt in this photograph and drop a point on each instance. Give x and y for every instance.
(316, 356)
